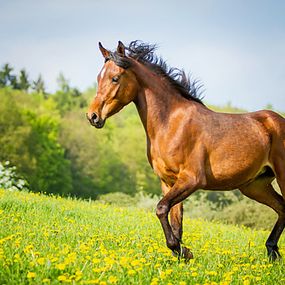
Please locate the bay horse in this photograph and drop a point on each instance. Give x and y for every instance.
(189, 146)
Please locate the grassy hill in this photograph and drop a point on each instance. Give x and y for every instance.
(52, 240)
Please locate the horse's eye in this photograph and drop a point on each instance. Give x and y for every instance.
(115, 79)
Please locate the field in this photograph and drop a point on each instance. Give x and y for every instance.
(51, 240)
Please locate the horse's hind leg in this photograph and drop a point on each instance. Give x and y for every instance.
(262, 191)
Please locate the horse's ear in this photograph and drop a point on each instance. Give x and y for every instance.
(121, 49)
(104, 52)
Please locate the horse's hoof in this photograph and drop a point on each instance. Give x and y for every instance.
(274, 255)
(186, 254)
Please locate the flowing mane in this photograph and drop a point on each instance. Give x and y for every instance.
(144, 53)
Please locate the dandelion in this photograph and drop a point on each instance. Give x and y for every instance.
(154, 281)
(96, 260)
(61, 278)
(113, 279)
(211, 273)
(60, 266)
(131, 272)
(41, 261)
(31, 275)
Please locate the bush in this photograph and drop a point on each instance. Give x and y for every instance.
(9, 180)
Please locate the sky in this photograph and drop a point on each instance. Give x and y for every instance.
(235, 48)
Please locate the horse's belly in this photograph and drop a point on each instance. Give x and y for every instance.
(232, 169)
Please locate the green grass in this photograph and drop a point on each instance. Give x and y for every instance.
(51, 240)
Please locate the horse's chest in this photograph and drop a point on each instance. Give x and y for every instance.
(165, 173)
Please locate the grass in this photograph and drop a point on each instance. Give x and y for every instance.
(51, 240)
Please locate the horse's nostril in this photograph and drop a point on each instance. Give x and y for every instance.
(94, 118)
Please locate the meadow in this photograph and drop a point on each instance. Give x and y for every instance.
(54, 240)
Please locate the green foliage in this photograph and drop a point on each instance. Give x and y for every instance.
(52, 171)
(96, 168)
(24, 83)
(29, 139)
(9, 179)
(68, 98)
(39, 85)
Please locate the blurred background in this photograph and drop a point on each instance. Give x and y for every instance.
(49, 60)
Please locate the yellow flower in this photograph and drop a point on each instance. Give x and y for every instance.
(60, 266)
(96, 260)
(131, 272)
(31, 275)
(61, 278)
(113, 279)
(46, 280)
(28, 248)
(211, 273)
(92, 281)
(41, 261)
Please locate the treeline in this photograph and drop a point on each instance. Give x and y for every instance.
(21, 81)
(47, 137)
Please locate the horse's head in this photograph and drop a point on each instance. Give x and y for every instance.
(117, 86)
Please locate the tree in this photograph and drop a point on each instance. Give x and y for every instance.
(5, 75)
(67, 98)
(63, 83)
(39, 85)
(14, 82)
(2, 79)
(24, 83)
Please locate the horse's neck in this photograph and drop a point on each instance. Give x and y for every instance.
(155, 105)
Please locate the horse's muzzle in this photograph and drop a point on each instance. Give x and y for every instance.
(95, 120)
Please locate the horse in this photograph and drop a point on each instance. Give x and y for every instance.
(189, 146)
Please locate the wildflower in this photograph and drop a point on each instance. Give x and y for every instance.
(41, 261)
(96, 260)
(60, 266)
(61, 278)
(113, 279)
(211, 273)
(31, 275)
(131, 272)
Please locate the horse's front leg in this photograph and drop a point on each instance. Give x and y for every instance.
(184, 186)
(176, 214)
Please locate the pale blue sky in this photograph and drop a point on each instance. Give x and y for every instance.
(236, 48)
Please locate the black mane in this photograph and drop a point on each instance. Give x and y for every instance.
(144, 53)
